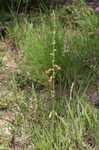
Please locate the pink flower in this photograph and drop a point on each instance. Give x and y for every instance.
(58, 67)
(97, 8)
(47, 71)
(50, 79)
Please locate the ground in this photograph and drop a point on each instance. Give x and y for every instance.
(6, 95)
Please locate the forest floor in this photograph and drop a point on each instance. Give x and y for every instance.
(13, 136)
(8, 67)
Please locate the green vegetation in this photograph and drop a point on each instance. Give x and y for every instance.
(52, 67)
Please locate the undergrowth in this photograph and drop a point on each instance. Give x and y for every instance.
(56, 55)
(74, 44)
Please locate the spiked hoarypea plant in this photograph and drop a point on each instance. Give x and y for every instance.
(54, 66)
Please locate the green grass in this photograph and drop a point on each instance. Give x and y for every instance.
(38, 119)
(72, 125)
(74, 44)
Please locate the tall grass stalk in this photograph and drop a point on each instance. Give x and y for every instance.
(53, 98)
(53, 55)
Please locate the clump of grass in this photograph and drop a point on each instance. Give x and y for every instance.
(73, 126)
(75, 46)
(73, 130)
